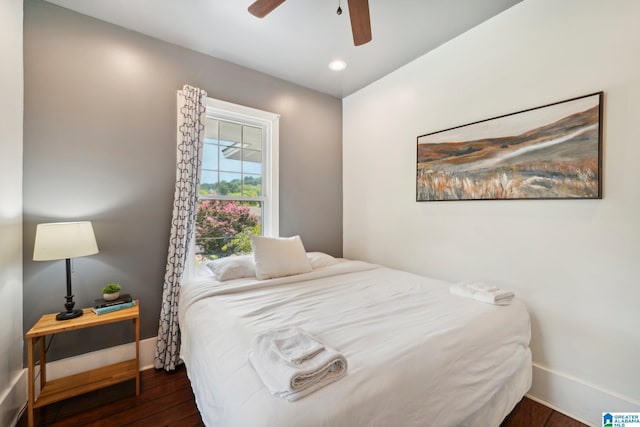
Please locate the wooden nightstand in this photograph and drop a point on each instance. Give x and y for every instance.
(73, 385)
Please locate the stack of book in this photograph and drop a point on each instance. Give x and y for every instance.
(103, 306)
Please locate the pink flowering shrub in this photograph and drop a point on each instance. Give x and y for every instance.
(223, 227)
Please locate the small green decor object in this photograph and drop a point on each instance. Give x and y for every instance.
(111, 288)
(111, 291)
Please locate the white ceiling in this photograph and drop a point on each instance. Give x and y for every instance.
(297, 41)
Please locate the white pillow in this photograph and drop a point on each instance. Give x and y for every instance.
(320, 259)
(233, 267)
(279, 256)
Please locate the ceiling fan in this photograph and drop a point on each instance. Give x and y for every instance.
(358, 12)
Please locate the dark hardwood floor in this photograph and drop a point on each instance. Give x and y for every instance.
(528, 413)
(166, 400)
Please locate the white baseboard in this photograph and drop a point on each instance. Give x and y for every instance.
(13, 399)
(575, 398)
(107, 356)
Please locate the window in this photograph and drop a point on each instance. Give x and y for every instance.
(239, 180)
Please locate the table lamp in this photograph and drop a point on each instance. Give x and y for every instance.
(65, 240)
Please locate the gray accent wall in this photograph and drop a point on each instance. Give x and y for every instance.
(99, 145)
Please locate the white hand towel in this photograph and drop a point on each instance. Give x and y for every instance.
(481, 286)
(482, 292)
(290, 381)
(296, 345)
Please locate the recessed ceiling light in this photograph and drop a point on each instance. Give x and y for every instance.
(337, 65)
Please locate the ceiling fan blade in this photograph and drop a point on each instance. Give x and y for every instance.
(360, 21)
(261, 8)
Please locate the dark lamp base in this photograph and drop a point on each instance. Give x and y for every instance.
(66, 315)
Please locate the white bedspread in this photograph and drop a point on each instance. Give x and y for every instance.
(417, 354)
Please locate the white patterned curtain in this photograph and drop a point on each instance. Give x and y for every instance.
(191, 118)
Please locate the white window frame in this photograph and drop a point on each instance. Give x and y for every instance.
(270, 122)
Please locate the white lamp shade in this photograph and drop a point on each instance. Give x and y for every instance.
(61, 240)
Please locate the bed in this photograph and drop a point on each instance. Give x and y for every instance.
(417, 355)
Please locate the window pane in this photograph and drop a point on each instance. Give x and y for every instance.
(252, 185)
(230, 133)
(252, 161)
(208, 183)
(230, 159)
(223, 227)
(211, 129)
(210, 157)
(252, 137)
(230, 184)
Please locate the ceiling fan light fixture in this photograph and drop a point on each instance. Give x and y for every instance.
(358, 15)
(337, 65)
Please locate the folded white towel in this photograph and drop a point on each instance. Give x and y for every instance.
(295, 345)
(294, 381)
(482, 292)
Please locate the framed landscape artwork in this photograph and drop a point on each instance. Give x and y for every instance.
(548, 152)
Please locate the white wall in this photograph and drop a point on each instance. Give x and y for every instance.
(12, 393)
(576, 264)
